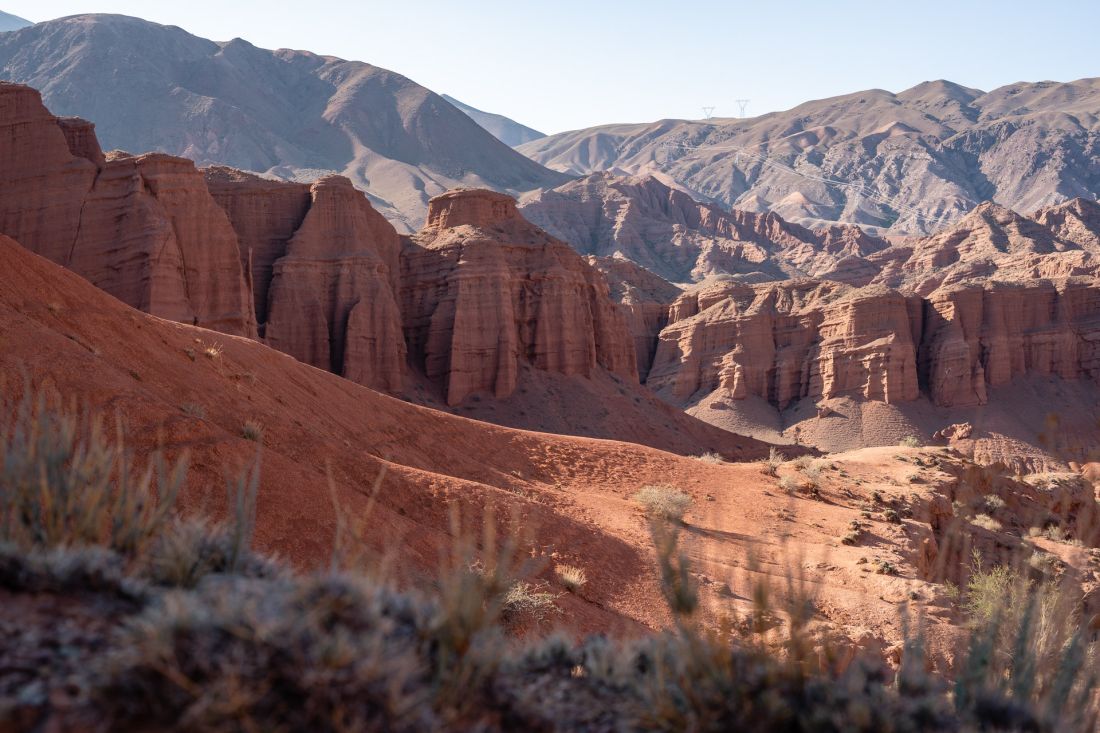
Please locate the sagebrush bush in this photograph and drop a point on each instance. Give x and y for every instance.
(252, 430)
(67, 483)
(711, 458)
(911, 441)
(665, 501)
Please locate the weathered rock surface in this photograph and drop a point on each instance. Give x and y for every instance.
(644, 298)
(484, 291)
(787, 341)
(820, 340)
(332, 298)
(664, 230)
(265, 213)
(143, 228)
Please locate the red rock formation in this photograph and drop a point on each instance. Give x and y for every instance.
(484, 290)
(265, 214)
(144, 229)
(788, 341)
(664, 230)
(332, 296)
(644, 298)
(978, 336)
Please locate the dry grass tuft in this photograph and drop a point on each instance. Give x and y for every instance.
(664, 501)
(252, 430)
(571, 577)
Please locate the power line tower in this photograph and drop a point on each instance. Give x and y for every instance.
(708, 112)
(743, 104)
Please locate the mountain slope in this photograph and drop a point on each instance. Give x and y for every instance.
(9, 22)
(504, 129)
(906, 163)
(667, 232)
(290, 113)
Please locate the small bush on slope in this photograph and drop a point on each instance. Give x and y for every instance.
(664, 501)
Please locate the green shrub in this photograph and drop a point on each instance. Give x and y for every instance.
(911, 441)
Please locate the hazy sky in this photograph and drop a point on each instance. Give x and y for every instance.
(565, 64)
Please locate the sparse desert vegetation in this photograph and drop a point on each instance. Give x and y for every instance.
(774, 460)
(571, 577)
(252, 430)
(193, 614)
(664, 501)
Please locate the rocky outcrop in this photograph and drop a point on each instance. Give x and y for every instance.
(332, 298)
(819, 340)
(484, 292)
(644, 298)
(143, 228)
(995, 243)
(979, 337)
(787, 341)
(265, 213)
(324, 270)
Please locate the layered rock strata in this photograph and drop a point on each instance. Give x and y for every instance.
(485, 291)
(143, 228)
(807, 339)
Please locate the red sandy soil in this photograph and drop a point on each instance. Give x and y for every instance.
(573, 494)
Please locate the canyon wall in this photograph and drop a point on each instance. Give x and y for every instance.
(808, 339)
(143, 228)
(484, 291)
(313, 270)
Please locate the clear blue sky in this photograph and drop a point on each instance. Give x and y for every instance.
(566, 64)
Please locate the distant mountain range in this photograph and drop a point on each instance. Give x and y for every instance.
(906, 163)
(289, 113)
(504, 129)
(9, 22)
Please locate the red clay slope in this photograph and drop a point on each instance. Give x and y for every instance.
(64, 335)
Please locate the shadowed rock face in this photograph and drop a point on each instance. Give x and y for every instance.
(332, 295)
(917, 160)
(485, 291)
(143, 228)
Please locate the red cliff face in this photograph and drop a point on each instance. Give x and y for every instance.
(788, 341)
(144, 229)
(332, 298)
(265, 214)
(484, 291)
(324, 269)
(979, 337)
